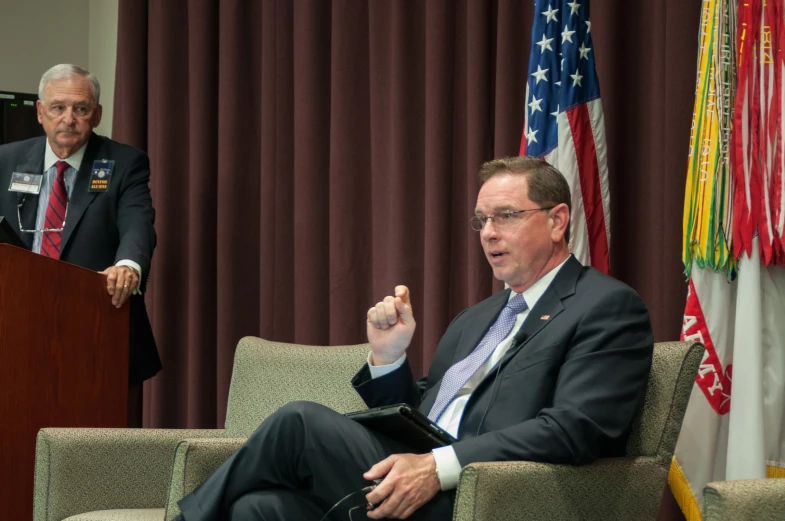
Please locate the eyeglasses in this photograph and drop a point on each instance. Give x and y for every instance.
(503, 219)
(44, 230)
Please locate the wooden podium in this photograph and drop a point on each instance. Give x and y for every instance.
(63, 362)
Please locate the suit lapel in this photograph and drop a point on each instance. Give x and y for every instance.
(80, 198)
(480, 325)
(34, 164)
(475, 331)
(549, 305)
(547, 308)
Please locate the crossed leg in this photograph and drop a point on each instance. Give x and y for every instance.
(301, 460)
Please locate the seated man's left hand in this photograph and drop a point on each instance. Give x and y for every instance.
(409, 482)
(121, 282)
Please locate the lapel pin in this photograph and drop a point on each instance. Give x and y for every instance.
(545, 317)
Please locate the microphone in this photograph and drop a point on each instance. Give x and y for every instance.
(518, 340)
(20, 198)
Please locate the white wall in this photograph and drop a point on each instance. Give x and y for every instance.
(36, 34)
(102, 55)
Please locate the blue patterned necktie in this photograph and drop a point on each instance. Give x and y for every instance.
(460, 373)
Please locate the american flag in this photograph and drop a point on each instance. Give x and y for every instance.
(564, 123)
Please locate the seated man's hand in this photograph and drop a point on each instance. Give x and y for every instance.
(390, 326)
(409, 482)
(121, 281)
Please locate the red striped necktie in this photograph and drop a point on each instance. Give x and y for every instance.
(55, 214)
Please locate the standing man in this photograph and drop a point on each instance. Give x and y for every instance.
(89, 204)
(552, 370)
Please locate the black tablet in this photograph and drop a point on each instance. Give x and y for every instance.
(406, 424)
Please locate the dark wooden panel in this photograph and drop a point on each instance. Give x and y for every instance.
(63, 362)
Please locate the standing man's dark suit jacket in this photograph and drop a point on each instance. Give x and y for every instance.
(101, 228)
(566, 392)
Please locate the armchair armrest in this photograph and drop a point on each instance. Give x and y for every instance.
(81, 470)
(611, 488)
(744, 499)
(194, 460)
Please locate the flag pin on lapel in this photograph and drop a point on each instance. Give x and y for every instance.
(545, 317)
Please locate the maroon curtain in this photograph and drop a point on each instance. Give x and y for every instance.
(309, 156)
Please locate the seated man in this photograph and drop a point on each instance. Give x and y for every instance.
(551, 370)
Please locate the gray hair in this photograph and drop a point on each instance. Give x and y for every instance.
(66, 71)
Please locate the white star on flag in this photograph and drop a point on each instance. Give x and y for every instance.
(550, 14)
(535, 104)
(588, 26)
(540, 74)
(530, 136)
(566, 35)
(563, 120)
(576, 78)
(545, 43)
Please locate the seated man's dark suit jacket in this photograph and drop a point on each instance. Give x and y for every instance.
(566, 392)
(101, 228)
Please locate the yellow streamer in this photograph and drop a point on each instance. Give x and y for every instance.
(708, 196)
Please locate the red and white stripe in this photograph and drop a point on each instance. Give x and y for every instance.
(582, 158)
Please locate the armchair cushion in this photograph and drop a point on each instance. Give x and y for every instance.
(744, 500)
(137, 514)
(80, 470)
(268, 375)
(612, 488)
(656, 427)
(194, 460)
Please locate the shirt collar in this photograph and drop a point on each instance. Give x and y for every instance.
(74, 160)
(533, 294)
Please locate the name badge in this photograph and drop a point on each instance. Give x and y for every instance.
(101, 175)
(25, 183)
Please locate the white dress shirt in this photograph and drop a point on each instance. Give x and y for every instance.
(447, 465)
(50, 172)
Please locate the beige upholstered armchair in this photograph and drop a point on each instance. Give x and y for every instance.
(744, 500)
(628, 488)
(140, 474)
